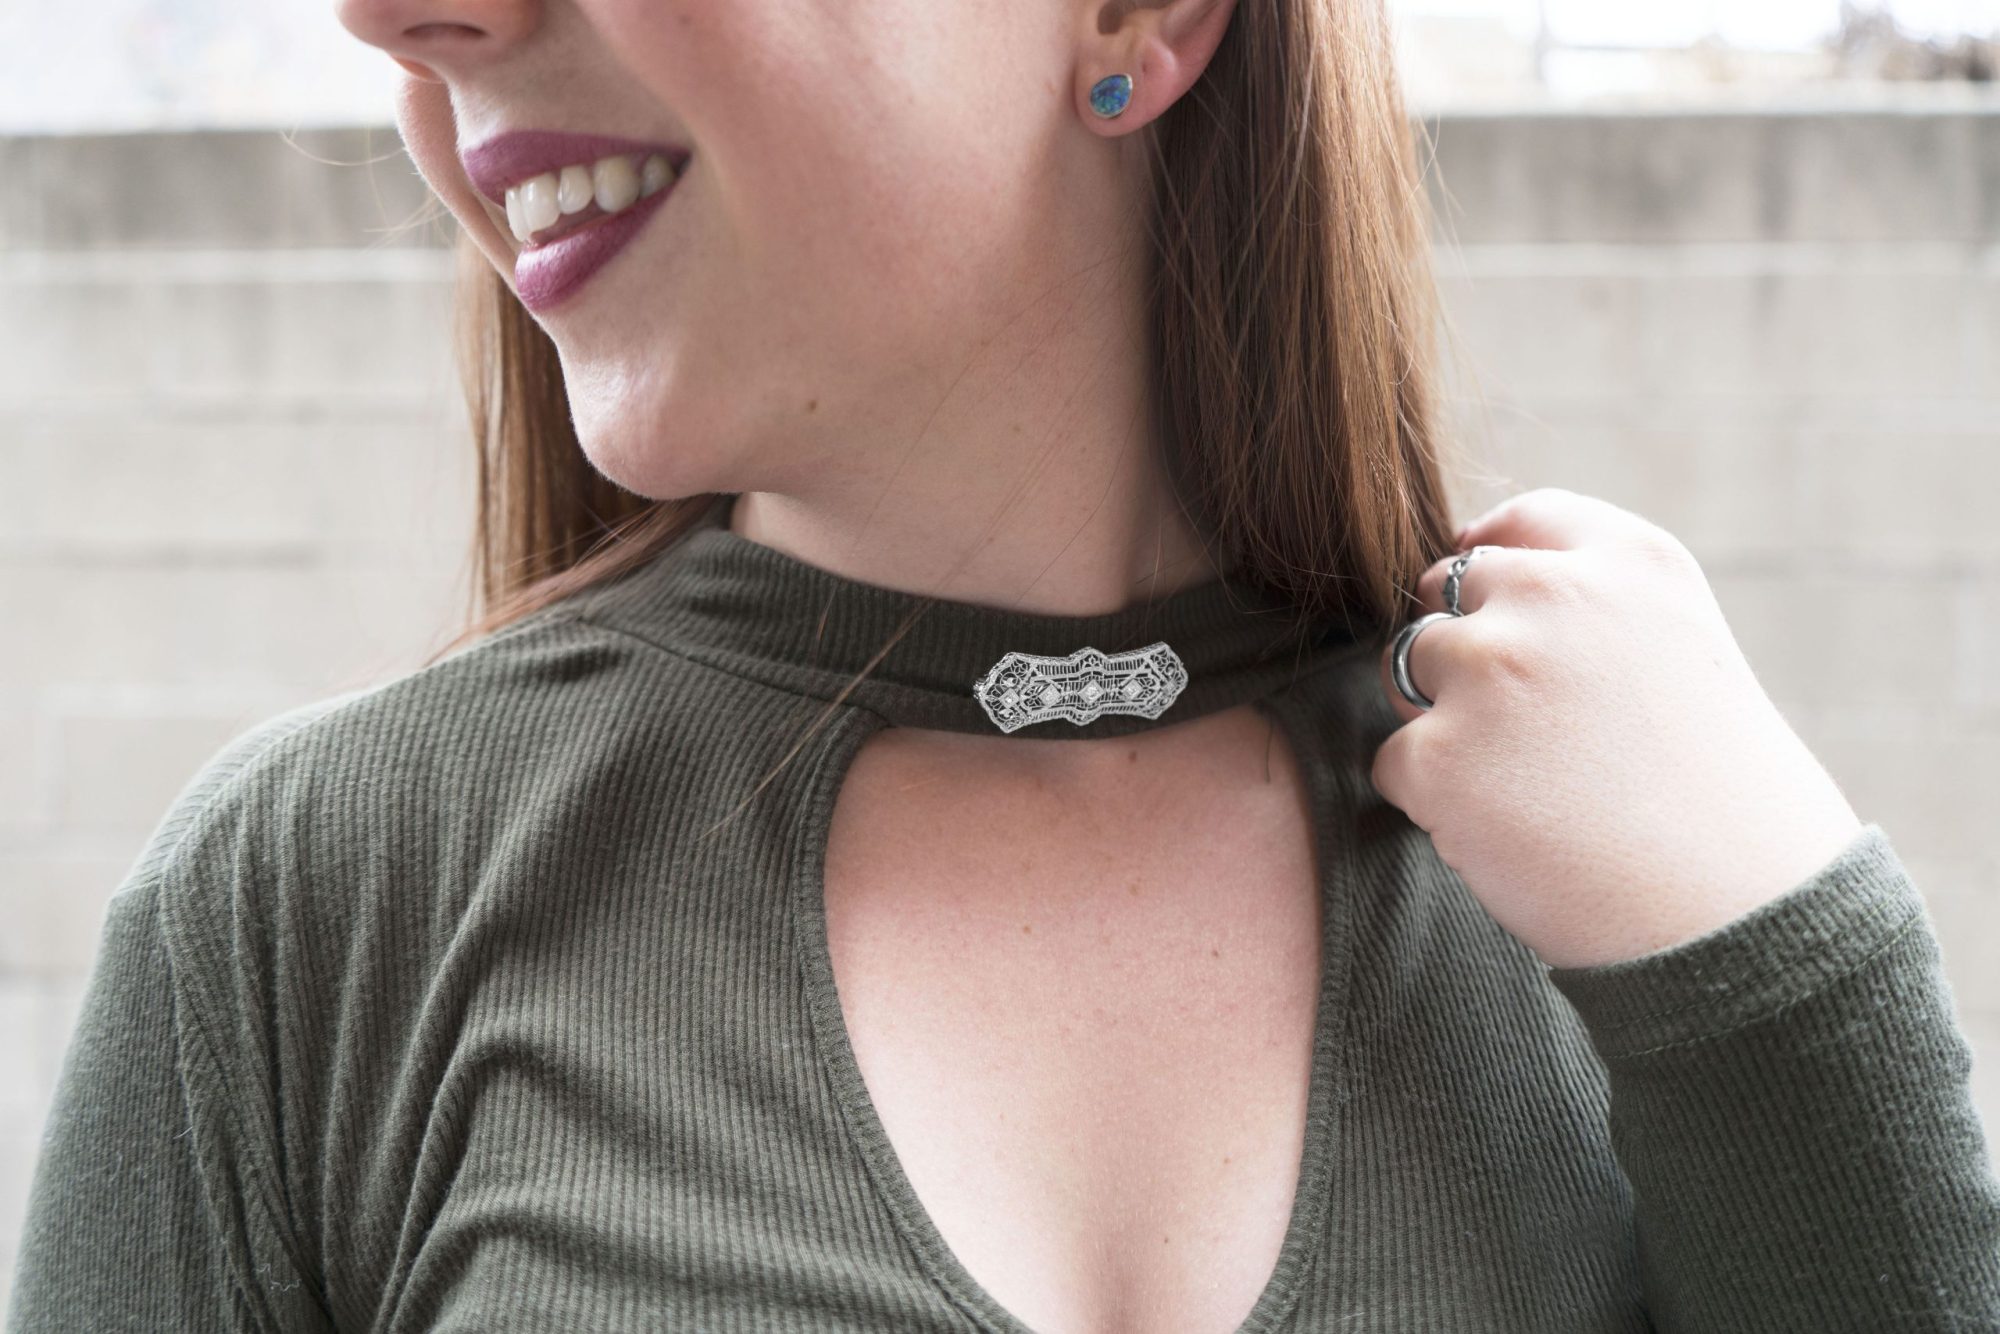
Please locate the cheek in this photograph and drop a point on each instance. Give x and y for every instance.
(867, 243)
(848, 175)
(845, 231)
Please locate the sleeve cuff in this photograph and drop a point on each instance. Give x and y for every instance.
(1776, 954)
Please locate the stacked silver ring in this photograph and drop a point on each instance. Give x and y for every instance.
(1399, 656)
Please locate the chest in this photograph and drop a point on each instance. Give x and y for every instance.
(1082, 999)
(617, 1092)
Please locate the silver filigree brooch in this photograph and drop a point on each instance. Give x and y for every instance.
(1025, 688)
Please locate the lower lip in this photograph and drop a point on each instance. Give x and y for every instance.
(546, 275)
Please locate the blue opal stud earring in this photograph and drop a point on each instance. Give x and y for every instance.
(1110, 94)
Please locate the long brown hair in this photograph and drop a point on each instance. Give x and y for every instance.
(1294, 365)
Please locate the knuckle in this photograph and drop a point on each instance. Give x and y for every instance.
(1668, 550)
(1544, 580)
(1514, 659)
(1657, 551)
(1552, 499)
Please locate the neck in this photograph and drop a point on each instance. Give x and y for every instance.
(1017, 470)
(751, 610)
(1043, 553)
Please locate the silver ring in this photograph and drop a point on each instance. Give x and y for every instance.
(1399, 658)
(1406, 638)
(1454, 575)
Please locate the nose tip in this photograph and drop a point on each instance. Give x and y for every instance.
(428, 35)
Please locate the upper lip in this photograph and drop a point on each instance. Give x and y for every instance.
(507, 159)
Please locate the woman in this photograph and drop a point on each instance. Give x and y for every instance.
(941, 830)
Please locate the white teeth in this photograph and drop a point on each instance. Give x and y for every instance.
(613, 183)
(538, 202)
(574, 191)
(616, 183)
(656, 173)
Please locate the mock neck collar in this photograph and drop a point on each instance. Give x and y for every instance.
(742, 607)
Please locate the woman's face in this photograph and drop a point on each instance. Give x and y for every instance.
(871, 186)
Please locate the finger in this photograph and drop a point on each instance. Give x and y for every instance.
(1397, 771)
(1553, 518)
(1405, 711)
(1483, 573)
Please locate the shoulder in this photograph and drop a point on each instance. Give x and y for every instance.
(324, 856)
(268, 747)
(309, 812)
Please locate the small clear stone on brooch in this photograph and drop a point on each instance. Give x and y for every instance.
(1024, 688)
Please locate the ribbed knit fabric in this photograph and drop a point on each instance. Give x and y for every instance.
(442, 1006)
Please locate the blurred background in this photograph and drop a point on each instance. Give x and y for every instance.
(1733, 264)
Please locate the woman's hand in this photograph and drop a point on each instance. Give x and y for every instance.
(1602, 768)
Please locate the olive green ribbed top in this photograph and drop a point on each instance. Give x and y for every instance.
(441, 1005)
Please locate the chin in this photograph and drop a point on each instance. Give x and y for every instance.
(633, 449)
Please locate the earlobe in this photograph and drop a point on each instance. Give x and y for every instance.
(1110, 95)
(1151, 58)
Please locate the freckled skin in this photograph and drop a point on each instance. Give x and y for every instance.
(897, 295)
(896, 301)
(1100, 984)
(828, 230)
(831, 229)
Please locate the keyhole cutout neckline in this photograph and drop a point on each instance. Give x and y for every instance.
(1307, 1223)
(755, 612)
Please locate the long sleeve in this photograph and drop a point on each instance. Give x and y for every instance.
(119, 1233)
(1790, 1100)
(151, 1206)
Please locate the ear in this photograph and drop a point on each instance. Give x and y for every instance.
(1164, 45)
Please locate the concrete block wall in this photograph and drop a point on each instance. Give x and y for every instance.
(234, 477)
